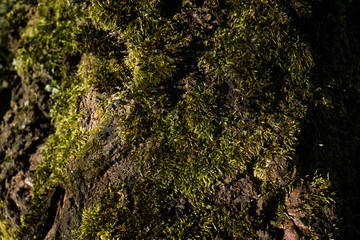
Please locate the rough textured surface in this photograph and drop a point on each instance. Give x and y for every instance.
(24, 128)
(194, 119)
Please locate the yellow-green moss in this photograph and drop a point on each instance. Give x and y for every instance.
(6, 231)
(200, 95)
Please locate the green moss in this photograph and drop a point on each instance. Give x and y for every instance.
(66, 141)
(90, 163)
(6, 231)
(201, 96)
(47, 42)
(105, 75)
(188, 144)
(143, 213)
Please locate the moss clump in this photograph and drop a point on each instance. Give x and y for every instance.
(7, 232)
(226, 114)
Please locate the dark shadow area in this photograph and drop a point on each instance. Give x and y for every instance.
(170, 7)
(329, 140)
(48, 215)
(57, 197)
(5, 96)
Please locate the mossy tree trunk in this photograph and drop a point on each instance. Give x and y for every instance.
(159, 119)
